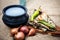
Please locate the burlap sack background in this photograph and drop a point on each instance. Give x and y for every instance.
(51, 7)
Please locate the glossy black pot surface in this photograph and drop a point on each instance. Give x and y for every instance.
(15, 21)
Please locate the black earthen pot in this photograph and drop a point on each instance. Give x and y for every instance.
(15, 21)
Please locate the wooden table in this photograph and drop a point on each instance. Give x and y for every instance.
(51, 7)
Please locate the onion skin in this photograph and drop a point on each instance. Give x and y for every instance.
(19, 36)
(14, 31)
(30, 27)
(24, 29)
(32, 32)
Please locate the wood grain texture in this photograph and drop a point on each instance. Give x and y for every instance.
(51, 7)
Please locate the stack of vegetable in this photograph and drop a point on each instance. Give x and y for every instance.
(42, 21)
(23, 31)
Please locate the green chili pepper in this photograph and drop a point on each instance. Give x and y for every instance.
(34, 15)
(47, 24)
